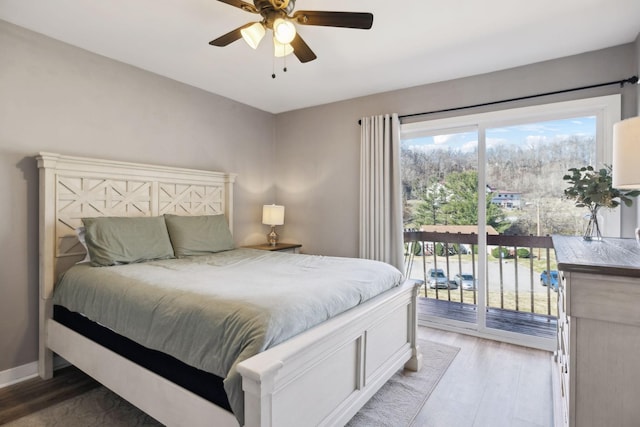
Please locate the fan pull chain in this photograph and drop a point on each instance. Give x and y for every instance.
(273, 64)
(273, 67)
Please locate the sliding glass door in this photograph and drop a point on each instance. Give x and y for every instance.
(482, 192)
(440, 167)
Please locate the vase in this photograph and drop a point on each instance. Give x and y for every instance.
(592, 229)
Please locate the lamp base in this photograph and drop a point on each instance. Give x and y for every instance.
(272, 237)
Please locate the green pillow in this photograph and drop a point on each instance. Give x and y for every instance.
(123, 240)
(198, 235)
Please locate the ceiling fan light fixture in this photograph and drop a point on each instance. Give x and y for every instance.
(253, 34)
(284, 31)
(280, 50)
(279, 17)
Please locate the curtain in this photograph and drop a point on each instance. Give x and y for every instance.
(381, 233)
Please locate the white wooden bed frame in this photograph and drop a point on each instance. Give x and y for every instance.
(320, 377)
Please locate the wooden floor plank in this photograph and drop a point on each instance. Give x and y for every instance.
(489, 384)
(29, 396)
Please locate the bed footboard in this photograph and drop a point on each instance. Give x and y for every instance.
(325, 375)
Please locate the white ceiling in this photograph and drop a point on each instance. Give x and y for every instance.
(411, 43)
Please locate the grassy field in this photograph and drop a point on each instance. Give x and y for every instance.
(539, 259)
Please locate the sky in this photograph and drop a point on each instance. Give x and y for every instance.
(531, 134)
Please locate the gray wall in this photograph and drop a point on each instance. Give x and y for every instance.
(317, 148)
(58, 98)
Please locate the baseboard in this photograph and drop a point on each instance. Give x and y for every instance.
(546, 344)
(27, 371)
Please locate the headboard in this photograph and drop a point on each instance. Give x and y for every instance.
(72, 188)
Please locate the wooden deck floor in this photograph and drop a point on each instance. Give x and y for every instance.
(537, 325)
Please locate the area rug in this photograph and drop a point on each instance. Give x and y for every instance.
(396, 404)
(399, 401)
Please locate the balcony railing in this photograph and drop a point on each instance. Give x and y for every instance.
(518, 289)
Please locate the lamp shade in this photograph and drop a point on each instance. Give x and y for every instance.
(253, 34)
(280, 50)
(273, 214)
(626, 154)
(284, 31)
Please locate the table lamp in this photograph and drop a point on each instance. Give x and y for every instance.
(625, 168)
(273, 215)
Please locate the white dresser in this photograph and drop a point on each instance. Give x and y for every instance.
(598, 357)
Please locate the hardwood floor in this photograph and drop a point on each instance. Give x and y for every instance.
(29, 396)
(489, 384)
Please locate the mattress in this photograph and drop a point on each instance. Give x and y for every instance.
(204, 384)
(212, 312)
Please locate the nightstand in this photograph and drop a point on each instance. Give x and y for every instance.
(293, 248)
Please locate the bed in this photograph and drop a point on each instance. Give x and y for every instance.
(322, 375)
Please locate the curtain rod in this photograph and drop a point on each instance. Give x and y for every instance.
(631, 80)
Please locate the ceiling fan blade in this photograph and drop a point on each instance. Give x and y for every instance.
(302, 50)
(230, 37)
(248, 7)
(359, 20)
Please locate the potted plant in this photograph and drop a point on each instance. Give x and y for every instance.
(593, 189)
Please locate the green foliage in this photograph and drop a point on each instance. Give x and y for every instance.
(412, 247)
(593, 189)
(452, 248)
(495, 252)
(416, 248)
(455, 202)
(461, 207)
(507, 254)
(430, 209)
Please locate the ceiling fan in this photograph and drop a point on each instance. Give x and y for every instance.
(276, 16)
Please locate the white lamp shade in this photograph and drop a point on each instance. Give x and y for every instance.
(253, 34)
(626, 154)
(284, 31)
(280, 50)
(273, 214)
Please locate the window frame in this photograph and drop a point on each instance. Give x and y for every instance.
(607, 109)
